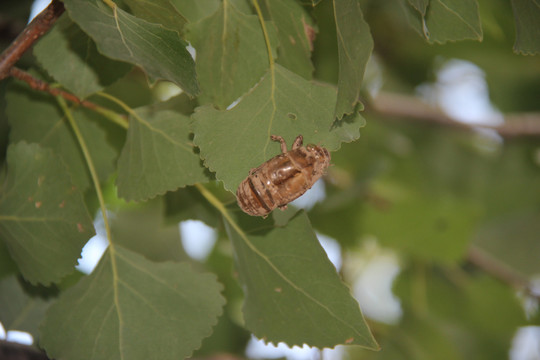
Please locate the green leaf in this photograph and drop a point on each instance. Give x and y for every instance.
(445, 20)
(296, 33)
(43, 220)
(158, 12)
(72, 59)
(132, 308)
(35, 117)
(158, 156)
(291, 287)
(231, 54)
(526, 15)
(195, 10)
(234, 141)
(132, 228)
(354, 45)
(20, 310)
(160, 52)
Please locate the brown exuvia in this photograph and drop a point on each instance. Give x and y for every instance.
(283, 178)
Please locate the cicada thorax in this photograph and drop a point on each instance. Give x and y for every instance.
(282, 179)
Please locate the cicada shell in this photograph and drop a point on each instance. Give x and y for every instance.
(283, 178)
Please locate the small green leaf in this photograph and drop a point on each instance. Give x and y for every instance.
(291, 288)
(20, 310)
(158, 156)
(445, 20)
(72, 59)
(43, 220)
(158, 12)
(132, 308)
(354, 45)
(35, 117)
(296, 33)
(526, 15)
(231, 54)
(234, 141)
(159, 51)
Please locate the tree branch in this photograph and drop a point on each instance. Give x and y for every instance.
(15, 351)
(403, 106)
(33, 31)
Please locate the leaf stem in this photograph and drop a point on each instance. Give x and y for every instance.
(110, 4)
(120, 103)
(95, 180)
(265, 34)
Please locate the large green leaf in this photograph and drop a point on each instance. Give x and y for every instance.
(195, 10)
(72, 59)
(291, 287)
(132, 308)
(43, 220)
(234, 141)
(159, 51)
(158, 155)
(445, 20)
(158, 12)
(231, 54)
(19, 309)
(296, 34)
(526, 15)
(35, 117)
(354, 45)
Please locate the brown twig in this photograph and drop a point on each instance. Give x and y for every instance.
(39, 85)
(403, 106)
(499, 270)
(39, 26)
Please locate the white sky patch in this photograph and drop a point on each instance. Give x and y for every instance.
(37, 7)
(20, 337)
(95, 247)
(332, 248)
(376, 271)
(198, 238)
(526, 344)
(316, 194)
(257, 349)
(461, 91)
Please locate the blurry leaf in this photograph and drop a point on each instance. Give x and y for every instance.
(526, 15)
(296, 33)
(511, 238)
(159, 51)
(131, 308)
(291, 288)
(158, 12)
(158, 156)
(231, 54)
(195, 10)
(354, 45)
(72, 59)
(7, 265)
(18, 309)
(35, 117)
(437, 227)
(189, 204)
(133, 228)
(43, 220)
(234, 141)
(475, 315)
(445, 20)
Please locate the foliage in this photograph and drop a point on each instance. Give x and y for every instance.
(433, 194)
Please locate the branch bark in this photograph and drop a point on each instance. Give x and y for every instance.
(15, 351)
(37, 28)
(410, 107)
